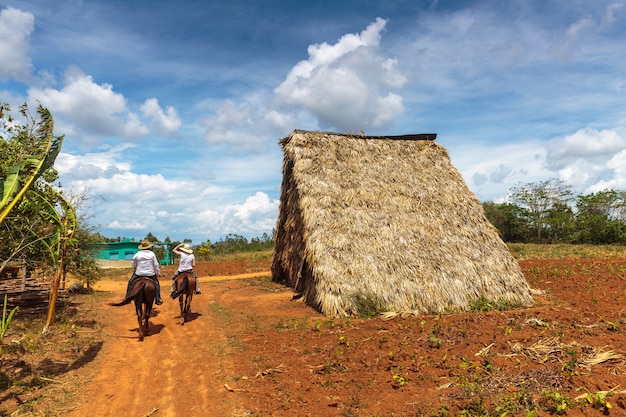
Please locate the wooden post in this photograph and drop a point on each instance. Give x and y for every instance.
(55, 285)
(55, 288)
(23, 276)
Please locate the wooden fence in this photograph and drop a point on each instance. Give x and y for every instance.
(30, 292)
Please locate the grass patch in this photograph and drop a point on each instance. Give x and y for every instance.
(565, 251)
(484, 304)
(367, 306)
(243, 256)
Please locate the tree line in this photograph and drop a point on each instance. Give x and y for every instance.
(231, 243)
(549, 212)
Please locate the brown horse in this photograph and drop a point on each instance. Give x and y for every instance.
(185, 286)
(143, 293)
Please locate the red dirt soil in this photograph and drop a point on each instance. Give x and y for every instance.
(250, 350)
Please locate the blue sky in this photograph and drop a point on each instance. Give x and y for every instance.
(172, 111)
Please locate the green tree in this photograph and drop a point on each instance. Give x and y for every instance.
(81, 263)
(232, 243)
(600, 218)
(559, 222)
(511, 221)
(539, 198)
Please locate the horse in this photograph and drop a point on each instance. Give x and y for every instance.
(143, 293)
(185, 287)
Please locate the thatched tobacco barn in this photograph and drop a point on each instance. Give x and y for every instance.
(389, 222)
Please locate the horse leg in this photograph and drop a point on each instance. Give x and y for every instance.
(146, 315)
(139, 312)
(188, 302)
(182, 309)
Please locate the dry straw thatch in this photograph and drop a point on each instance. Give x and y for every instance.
(386, 222)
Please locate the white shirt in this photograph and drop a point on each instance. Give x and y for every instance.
(186, 261)
(146, 264)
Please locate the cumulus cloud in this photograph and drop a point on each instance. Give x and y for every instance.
(92, 107)
(167, 120)
(92, 165)
(590, 158)
(594, 146)
(88, 110)
(349, 85)
(15, 29)
(245, 127)
(258, 212)
(255, 208)
(127, 201)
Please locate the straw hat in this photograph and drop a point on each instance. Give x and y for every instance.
(186, 248)
(145, 245)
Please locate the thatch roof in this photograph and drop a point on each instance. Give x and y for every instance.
(389, 222)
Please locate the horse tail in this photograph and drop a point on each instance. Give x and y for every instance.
(183, 289)
(133, 293)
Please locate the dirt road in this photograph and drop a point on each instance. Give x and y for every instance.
(178, 370)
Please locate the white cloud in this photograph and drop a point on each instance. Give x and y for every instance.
(592, 145)
(15, 29)
(167, 120)
(93, 165)
(94, 108)
(130, 225)
(491, 170)
(89, 111)
(346, 86)
(126, 201)
(257, 213)
(254, 207)
(245, 127)
(589, 158)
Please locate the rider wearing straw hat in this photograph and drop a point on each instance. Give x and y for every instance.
(187, 263)
(146, 264)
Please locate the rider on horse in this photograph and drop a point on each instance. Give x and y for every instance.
(187, 263)
(145, 264)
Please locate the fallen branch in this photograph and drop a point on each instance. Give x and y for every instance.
(600, 393)
(154, 410)
(231, 389)
(269, 371)
(484, 351)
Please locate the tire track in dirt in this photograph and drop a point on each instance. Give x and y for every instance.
(178, 370)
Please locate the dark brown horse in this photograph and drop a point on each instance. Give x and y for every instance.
(143, 293)
(185, 286)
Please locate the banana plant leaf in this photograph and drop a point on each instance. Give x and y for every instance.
(65, 222)
(24, 173)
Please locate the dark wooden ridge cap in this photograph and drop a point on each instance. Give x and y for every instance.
(361, 135)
